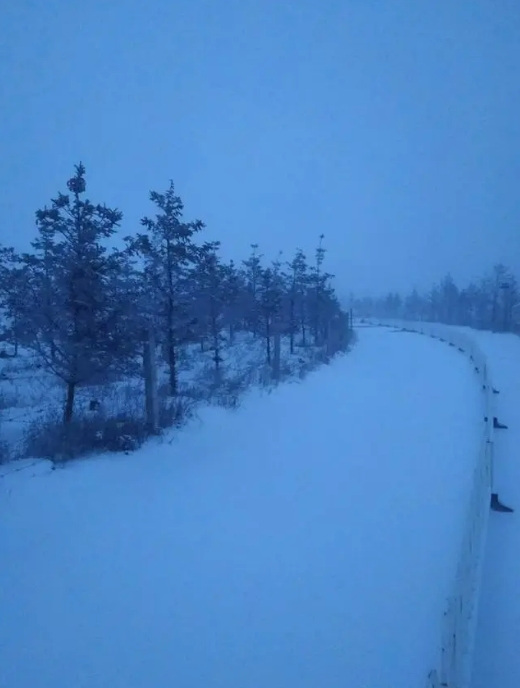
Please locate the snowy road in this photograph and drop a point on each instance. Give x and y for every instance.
(497, 651)
(308, 539)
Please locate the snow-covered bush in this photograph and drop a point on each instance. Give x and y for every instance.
(50, 438)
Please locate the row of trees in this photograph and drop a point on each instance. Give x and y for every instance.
(87, 310)
(488, 303)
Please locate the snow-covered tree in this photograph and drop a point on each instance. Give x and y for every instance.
(253, 271)
(169, 254)
(14, 294)
(234, 293)
(210, 277)
(270, 297)
(298, 285)
(71, 306)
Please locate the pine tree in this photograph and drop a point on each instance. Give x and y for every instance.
(169, 254)
(299, 280)
(499, 276)
(233, 290)
(14, 295)
(281, 281)
(73, 312)
(253, 272)
(318, 281)
(210, 279)
(270, 303)
(449, 300)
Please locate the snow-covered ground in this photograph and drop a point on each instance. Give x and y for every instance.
(497, 652)
(308, 538)
(29, 394)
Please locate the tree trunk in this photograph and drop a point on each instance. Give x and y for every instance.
(215, 333)
(494, 308)
(150, 384)
(506, 312)
(216, 350)
(15, 332)
(69, 402)
(326, 331)
(216, 353)
(172, 365)
(277, 356)
(292, 325)
(317, 332)
(268, 341)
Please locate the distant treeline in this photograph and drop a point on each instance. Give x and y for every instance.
(488, 303)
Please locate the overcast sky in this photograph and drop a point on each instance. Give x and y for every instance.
(392, 126)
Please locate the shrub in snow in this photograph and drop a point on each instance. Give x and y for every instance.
(5, 454)
(94, 431)
(174, 410)
(50, 438)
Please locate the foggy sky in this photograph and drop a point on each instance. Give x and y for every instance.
(391, 126)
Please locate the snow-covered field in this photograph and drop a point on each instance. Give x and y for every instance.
(308, 538)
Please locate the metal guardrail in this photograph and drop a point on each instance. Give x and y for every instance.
(456, 645)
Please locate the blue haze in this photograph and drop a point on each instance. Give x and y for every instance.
(393, 127)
